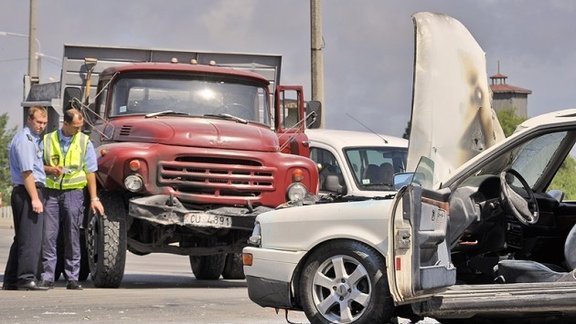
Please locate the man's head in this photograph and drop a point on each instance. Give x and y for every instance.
(37, 119)
(73, 122)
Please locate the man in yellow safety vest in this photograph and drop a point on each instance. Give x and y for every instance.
(70, 163)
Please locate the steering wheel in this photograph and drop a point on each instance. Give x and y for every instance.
(526, 211)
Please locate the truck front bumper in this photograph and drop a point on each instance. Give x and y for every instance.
(166, 210)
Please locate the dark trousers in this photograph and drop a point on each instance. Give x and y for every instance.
(63, 211)
(24, 257)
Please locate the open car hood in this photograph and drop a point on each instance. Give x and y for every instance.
(452, 116)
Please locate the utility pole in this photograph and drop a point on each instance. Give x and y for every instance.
(33, 49)
(33, 76)
(317, 60)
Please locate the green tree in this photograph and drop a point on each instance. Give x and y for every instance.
(509, 120)
(407, 130)
(565, 178)
(5, 138)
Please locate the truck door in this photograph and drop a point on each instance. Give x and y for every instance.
(418, 251)
(290, 120)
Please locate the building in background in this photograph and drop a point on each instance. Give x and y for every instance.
(506, 96)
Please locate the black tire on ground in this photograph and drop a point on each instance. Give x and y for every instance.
(233, 268)
(345, 281)
(207, 267)
(106, 242)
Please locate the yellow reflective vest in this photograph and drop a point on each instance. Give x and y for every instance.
(74, 176)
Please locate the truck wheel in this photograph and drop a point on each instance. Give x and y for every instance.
(343, 282)
(106, 243)
(207, 267)
(233, 268)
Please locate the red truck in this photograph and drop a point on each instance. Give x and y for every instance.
(191, 148)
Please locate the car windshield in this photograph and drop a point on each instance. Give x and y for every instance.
(535, 159)
(373, 168)
(199, 96)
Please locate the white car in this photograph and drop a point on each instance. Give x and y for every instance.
(357, 164)
(479, 232)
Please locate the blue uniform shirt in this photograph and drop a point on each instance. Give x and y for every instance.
(25, 154)
(91, 165)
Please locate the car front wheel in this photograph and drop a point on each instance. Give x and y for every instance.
(345, 282)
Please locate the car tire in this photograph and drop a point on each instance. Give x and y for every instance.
(233, 268)
(207, 267)
(106, 243)
(349, 276)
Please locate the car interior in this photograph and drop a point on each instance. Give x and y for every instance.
(506, 223)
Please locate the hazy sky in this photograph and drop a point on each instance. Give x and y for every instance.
(368, 53)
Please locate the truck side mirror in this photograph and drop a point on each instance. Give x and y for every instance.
(313, 113)
(72, 98)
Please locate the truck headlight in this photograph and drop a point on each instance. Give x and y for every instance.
(133, 183)
(296, 191)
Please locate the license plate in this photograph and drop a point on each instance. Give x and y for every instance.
(208, 220)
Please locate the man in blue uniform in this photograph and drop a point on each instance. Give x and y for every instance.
(70, 163)
(27, 173)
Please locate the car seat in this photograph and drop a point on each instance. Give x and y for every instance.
(516, 271)
(372, 173)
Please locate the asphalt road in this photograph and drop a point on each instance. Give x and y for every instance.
(157, 288)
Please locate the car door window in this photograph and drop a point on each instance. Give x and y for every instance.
(327, 166)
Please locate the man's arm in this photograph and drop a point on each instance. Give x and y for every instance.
(95, 203)
(30, 185)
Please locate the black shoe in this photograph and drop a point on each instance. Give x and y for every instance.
(74, 285)
(46, 283)
(31, 285)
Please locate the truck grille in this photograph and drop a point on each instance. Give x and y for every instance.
(216, 177)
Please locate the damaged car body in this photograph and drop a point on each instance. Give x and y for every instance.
(480, 231)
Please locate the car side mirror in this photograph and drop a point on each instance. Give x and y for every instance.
(556, 194)
(402, 179)
(332, 184)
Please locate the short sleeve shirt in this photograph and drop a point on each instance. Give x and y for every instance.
(25, 154)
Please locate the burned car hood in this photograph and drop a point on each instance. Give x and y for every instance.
(197, 132)
(452, 118)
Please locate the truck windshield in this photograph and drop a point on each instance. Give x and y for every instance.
(190, 96)
(374, 167)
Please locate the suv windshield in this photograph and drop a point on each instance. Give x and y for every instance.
(199, 96)
(374, 167)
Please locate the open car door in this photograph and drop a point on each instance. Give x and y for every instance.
(420, 254)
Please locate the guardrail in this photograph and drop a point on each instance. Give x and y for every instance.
(6, 219)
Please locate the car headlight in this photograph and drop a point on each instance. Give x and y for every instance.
(296, 191)
(133, 183)
(256, 238)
